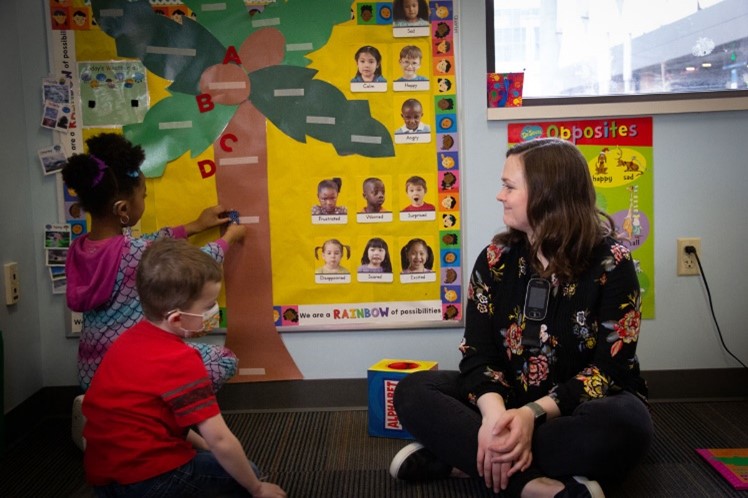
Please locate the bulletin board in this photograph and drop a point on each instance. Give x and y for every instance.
(257, 105)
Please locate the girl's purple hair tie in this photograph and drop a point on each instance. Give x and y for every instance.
(102, 167)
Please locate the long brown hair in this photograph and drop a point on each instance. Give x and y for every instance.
(561, 207)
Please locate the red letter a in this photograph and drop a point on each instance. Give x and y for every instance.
(231, 56)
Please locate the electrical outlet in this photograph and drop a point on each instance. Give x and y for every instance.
(12, 285)
(687, 264)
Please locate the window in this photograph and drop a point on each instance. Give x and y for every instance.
(685, 55)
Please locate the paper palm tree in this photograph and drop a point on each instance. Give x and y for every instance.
(231, 73)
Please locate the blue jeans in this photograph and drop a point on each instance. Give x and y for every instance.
(201, 476)
(602, 439)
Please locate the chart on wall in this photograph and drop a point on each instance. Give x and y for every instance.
(619, 154)
(330, 128)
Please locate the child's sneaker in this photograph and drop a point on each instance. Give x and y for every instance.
(581, 487)
(78, 422)
(416, 463)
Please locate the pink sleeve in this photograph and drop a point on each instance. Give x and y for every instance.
(224, 245)
(179, 232)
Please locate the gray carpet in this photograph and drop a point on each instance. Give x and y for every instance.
(328, 454)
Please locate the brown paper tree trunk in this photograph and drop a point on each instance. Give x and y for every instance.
(242, 184)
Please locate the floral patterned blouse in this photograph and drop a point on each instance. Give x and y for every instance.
(584, 349)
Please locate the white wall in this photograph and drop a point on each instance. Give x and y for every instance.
(20, 183)
(701, 185)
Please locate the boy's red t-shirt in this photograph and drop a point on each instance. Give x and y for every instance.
(423, 207)
(149, 389)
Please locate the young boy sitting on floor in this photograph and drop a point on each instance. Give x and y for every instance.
(151, 388)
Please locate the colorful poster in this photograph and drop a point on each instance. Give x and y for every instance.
(387, 252)
(505, 90)
(112, 93)
(619, 153)
(335, 140)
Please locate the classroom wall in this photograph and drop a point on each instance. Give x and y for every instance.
(701, 180)
(21, 204)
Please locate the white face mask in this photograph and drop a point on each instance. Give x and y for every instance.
(211, 319)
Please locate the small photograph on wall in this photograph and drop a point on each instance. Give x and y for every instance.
(368, 76)
(410, 18)
(112, 93)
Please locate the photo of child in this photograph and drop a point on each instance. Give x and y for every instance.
(415, 188)
(376, 257)
(409, 13)
(368, 65)
(417, 257)
(332, 254)
(327, 195)
(52, 159)
(410, 62)
(412, 113)
(57, 236)
(373, 193)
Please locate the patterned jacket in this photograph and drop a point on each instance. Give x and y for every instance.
(584, 349)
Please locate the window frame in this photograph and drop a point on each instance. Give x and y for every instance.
(619, 105)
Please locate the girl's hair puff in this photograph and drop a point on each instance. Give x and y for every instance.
(108, 172)
(344, 249)
(334, 183)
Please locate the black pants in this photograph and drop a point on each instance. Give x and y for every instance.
(602, 440)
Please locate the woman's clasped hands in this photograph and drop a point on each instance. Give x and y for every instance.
(505, 447)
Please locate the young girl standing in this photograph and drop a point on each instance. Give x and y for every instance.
(101, 264)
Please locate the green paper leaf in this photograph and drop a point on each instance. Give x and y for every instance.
(174, 126)
(231, 25)
(173, 51)
(304, 24)
(300, 105)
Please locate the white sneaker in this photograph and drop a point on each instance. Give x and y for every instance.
(581, 487)
(593, 487)
(416, 463)
(78, 422)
